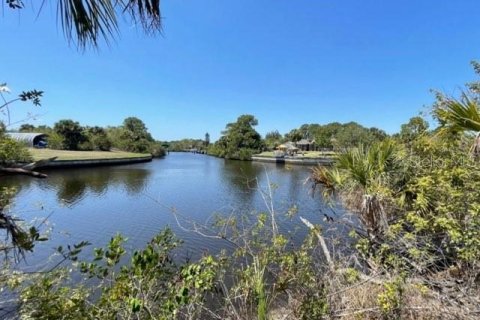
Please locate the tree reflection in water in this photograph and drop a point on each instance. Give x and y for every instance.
(73, 185)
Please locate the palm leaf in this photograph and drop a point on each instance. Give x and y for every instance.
(364, 165)
(459, 115)
(87, 21)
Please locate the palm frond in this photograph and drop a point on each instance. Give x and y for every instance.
(365, 165)
(328, 178)
(87, 21)
(145, 12)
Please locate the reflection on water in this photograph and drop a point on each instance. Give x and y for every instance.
(73, 185)
(242, 179)
(95, 203)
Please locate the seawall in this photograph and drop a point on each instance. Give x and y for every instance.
(93, 162)
(296, 161)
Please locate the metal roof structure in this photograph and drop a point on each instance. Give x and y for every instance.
(29, 138)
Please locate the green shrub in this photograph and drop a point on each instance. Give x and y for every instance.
(157, 150)
(55, 141)
(12, 151)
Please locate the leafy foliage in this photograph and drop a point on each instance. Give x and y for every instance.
(415, 127)
(12, 151)
(97, 139)
(150, 286)
(71, 133)
(33, 95)
(273, 139)
(417, 202)
(132, 136)
(239, 140)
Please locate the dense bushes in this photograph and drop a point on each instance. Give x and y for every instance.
(12, 151)
(418, 201)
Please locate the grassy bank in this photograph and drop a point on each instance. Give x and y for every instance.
(39, 154)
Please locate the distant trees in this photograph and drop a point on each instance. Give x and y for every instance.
(133, 136)
(337, 135)
(294, 135)
(186, 144)
(273, 139)
(239, 139)
(352, 134)
(241, 134)
(136, 129)
(26, 127)
(71, 133)
(415, 126)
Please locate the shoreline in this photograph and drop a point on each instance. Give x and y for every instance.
(76, 159)
(93, 162)
(295, 161)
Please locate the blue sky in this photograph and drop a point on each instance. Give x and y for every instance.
(286, 62)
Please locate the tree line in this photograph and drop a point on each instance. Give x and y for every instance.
(131, 136)
(240, 140)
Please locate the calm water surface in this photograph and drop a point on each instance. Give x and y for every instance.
(137, 200)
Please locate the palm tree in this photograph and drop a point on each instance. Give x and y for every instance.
(460, 115)
(85, 22)
(359, 176)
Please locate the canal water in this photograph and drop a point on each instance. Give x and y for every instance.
(140, 200)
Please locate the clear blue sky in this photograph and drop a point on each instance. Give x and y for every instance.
(286, 62)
